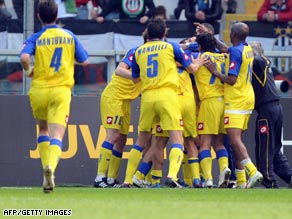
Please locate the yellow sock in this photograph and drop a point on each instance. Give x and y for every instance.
(222, 158)
(104, 158)
(43, 145)
(175, 159)
(133, 162)
(249, 167)
(54, 153)
(206, 164)
(114, 164)
(195, 167)
(156, 176)
(240, 177)
(139, 175)
(186, 170)
(148, 177)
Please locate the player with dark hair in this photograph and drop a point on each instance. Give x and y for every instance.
(55, 51)
(160, 137)
(269, 122)
(239, 100)
(210, 125)
(155, 65)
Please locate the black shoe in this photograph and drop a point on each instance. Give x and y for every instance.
(101, 184)
(115, 184)
(170, 182)
(127, 185)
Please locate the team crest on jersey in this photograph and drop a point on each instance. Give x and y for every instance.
(232, 65)
(264, 129)
(200, 126)
(159, 129)
(109, 120)
(226, 120)
(66, 119)
(133, 7)
(181, 122)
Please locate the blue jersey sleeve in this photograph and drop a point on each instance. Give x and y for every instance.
(195, 55)
(194, 47)
(128, 58)
(235, 60)
(80, 53)
(29, 45)
(135, 69)
(180, 56)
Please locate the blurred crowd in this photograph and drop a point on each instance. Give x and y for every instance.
(100, 10)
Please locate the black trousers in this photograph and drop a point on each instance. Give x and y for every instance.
(269, 157)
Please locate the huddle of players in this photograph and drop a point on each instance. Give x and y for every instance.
(168, 113)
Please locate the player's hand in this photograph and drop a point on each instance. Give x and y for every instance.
(29, 72)
(200, 28)
(201, 60)
(211, 66)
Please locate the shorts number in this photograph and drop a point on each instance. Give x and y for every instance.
(56, 59)
(152, 66)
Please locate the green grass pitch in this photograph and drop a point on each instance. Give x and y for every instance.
(164, 203)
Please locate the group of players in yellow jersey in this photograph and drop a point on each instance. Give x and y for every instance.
(161, 71)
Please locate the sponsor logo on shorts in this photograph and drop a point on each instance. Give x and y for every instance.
(159, 129)
(181, 122)
(264, 129)
(226, 120)
(109, 120)
(200, 126)
(66, 119)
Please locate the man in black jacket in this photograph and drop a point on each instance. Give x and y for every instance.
(269, 122)
(203, 10)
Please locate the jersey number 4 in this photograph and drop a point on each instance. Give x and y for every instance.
(56, 59)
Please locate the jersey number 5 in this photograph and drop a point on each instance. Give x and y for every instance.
(152, 66)
(56, 59)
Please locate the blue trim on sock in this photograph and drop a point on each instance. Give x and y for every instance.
(43, 138)
(107, 145)
(156, 177)
(177, 146)
(56, 142)
(193, 161)
(117, 153)
(204, 154)
(138, 148)
(221, 153)
(145, 167)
